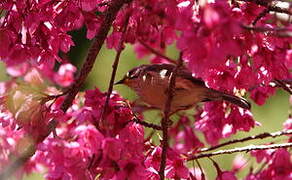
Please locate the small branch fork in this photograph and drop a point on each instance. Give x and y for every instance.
(110, 16)
(241, 149)
(165, 120)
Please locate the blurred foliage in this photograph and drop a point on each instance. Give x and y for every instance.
(34, 176)
(3, 75)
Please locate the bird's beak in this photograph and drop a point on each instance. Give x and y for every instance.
(120, 81)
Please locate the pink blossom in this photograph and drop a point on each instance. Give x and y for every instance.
(196, 174)
(89, 137)
(65, 75)
(211, 17)
(177, 169)
(89, 5)
(260, 94)
(239, 162)
(158, 60)
(9, 140)
(65, 42)
(289, 59)
(262, 155)
(141, 51)
(211, 118)
(113, 40)
(185, 138)
(70, 158)
(210, 40)
(132, 170)
(241, 119)
(113, 148)
(8, 38)
(152, 161)
(214, 117)
(226, 175)
(91, 141)
(71, 17)
(17, 70)
(288, 124)
(279, 166)
(93, 24)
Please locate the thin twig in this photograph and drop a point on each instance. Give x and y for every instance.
(241, 149)
(201, 169)
(259, 136)
(146, 124)
(165, 119)
(137, 120)
(110, 15)
(93, 51)
(283, 85)
(266, 29)
(157, 52)
(280, 32)
(261, 15)
(114, 71)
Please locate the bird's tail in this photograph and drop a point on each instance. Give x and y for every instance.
(241, 102)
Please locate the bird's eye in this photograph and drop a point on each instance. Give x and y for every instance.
(133, 74)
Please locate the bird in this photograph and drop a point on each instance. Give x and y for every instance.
(151, 84)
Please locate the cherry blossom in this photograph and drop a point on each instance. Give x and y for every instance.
(237, 47)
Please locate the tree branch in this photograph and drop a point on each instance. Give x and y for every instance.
(259, 136)
(165, 119)
(241, 149)
(115, 67)
(93, 51)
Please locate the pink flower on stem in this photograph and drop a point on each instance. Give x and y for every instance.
(279, 167)
(175, 167)
(65, 75)
(239, 163)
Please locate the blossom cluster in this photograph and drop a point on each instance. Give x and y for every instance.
(232, 45)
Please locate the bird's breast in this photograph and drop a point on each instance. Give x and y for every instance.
(154, 91)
